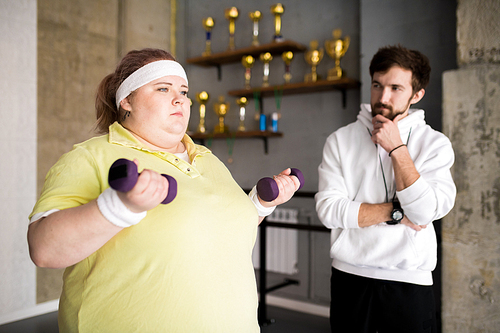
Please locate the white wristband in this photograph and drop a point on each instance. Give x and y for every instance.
(263, 211)
(115, 211)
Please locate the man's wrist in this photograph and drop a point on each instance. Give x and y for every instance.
(373, 214)
(396, 148)
(397, 213)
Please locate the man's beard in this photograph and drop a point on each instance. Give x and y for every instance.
(391, 114)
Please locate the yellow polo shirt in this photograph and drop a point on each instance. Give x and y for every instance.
(186, 267)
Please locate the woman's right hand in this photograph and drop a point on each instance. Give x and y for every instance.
(149, 191)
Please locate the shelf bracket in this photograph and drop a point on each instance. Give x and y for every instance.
(265, 144)
(344, 98)
(219, 72)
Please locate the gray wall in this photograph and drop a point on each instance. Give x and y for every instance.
(428, 26)
(306, 119)
(309, 118)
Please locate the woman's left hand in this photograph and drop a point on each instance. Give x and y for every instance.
(287, 186)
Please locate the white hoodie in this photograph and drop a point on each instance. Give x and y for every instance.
(351, 174)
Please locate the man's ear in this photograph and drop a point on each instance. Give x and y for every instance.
(418, 96)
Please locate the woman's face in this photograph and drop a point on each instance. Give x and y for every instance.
(159, 111)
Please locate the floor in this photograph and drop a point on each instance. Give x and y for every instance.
(285, 321)
(41, 324)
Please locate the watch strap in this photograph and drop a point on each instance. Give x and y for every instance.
(396, 206)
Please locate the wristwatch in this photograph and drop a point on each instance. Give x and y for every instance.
(397, 213)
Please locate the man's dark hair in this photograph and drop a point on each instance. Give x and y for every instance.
(389, 56)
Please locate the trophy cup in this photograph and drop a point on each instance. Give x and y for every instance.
(208, 24)
(231, 14)
(277, 10)
(255, 16)
(266, 59)
(336, 49)
(313, 58)
(242, 102)
(221, 108)
(247, 62)
(202, 98)
(287, 57)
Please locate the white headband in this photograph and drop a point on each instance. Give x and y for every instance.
(147, 73)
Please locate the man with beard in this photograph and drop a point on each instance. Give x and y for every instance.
(383, 180)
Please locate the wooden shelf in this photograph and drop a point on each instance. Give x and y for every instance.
(245, 134)
(275, 48)
(264, 135)
(227, 57)
(300, 88)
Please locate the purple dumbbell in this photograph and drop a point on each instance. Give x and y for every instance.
(268, 189)
(123, 176)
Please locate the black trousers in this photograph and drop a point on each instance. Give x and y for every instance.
(365, 305)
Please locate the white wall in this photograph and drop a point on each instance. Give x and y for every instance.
(18, 124)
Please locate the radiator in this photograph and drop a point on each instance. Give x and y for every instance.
(281, 244)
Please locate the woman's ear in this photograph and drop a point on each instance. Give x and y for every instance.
(125, 104)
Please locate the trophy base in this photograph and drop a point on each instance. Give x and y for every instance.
(278, 39)
(221, 129)
(334, 74)
(310, 77)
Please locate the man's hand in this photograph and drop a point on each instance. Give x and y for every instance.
(405, 221)
(386, 133)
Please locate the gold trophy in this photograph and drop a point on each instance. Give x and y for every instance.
(336, 49)
(277, 10)
(202, 98)
(231, 14)
(247, 62)
(266, 59)
(287, 57)
(208, 24)
(221, 109)
(255, 16)
(313, 58)
(242, 102)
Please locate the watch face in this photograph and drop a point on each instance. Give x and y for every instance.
(397, 215)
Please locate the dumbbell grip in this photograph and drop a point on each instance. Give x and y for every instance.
(123, 176)
(268, 190)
